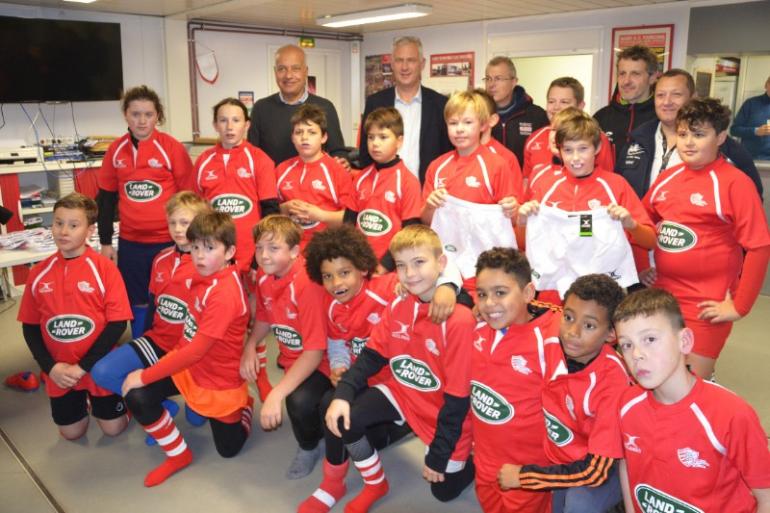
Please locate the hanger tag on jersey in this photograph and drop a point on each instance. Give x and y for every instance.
(586, 225)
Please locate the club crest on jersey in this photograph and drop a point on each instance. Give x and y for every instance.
(84, 286)
(190, 327)
(519, 364)
(45, 286)
(696, 199)
(154, 163)
(357, 345)
(290, 315)
(243, 172)
(69, 328)
(171, 309)
(690, 458)
(630, 443)
(431, 346)
(288, 336)
(374, 223)
(234, 204)
(675, 238)
(472, 181)
(402, 332)
(594, 203)
(652, 500)
(570, 404)
(211, 175)
(557, 432)
(390, 196)
(488, 406)
(414, 373)
(479, 343)
(374, 318)
(142, 191)
(318, 185)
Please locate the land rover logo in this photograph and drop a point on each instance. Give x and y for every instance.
(357, 345)
(488, 405)
(675, 238)
(374, 223)
(171, 309)
(414, 373)
(288, 336)
(651, 500)
(190, 327)
(558, 433)
(69, 328)
(233, 204)
(143, 191)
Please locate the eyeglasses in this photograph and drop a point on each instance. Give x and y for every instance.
(497, 79)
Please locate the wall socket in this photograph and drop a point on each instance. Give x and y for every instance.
(58, 140)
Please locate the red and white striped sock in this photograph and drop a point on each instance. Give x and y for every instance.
(246, 415)
(375, 485)
(178, 455)
(263, 382)
(331, 489)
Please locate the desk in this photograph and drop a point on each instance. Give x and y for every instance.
(9, 258)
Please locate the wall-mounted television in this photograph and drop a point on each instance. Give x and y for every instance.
(55, 60)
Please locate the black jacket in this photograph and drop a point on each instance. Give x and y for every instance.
(434, 140)
(635, 161)
(519, 123)
(618, 120)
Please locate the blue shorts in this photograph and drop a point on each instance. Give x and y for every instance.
(135, 263)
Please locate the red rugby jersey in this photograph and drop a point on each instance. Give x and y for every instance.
(507, 376)
(383, 199)
(73, 300)
(145, 178)
(293, 305)
(704, 453)
(170, 280)
(705, 219)
(510, 159)
(427, 360)
(324, 183)
(235, 181)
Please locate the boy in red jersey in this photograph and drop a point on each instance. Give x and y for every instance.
(204, 367)
(171, 273)
(430, 385)
(563, 93)
(713, 239)
(313, 188)
(508, 369)
(236, 177)
(690, 445)
(342, 261)
(581, 393)
(292, 307)
(582, 210)
(386, 195)
(472, 185)
(73, 312)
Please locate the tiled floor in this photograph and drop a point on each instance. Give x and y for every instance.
(101, 474)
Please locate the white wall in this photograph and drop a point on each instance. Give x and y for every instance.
(142, 43)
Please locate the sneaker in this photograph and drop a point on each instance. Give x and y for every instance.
(24, 381)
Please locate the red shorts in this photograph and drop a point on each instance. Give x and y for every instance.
(495, 500)
(709, 338)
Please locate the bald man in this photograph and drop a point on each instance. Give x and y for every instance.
(270, 128)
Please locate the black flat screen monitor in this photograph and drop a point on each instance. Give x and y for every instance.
(54, 60)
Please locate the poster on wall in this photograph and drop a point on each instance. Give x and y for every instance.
(247, 97)
(452, 65)
(378, 74)
(658, 38)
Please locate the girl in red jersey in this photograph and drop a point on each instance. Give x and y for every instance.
(236, 177)
(140, 172)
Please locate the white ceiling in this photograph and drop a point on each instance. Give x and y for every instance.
(303, 13)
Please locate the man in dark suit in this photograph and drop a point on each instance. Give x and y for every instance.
(425, 132)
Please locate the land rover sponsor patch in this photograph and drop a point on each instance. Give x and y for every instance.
(142, 191)
(488, 405)
(69, 328)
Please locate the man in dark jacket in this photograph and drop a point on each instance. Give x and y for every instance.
(422, 109)
(519, 117)
(652, 146)
(631, 103)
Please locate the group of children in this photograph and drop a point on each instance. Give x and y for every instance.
(385, 325)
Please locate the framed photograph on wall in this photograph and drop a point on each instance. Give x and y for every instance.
(658, 38)
(453, 65)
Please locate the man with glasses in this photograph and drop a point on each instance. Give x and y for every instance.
(270, 128)
(519, 116)
(421, 108)
(632, 103)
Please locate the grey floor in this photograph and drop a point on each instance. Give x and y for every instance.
(40, 472)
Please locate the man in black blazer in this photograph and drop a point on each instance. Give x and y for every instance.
(425, 132)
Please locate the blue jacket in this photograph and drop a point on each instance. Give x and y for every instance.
(753, 113)
(635, 161)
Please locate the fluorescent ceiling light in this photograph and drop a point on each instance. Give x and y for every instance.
(397, 12)
(81, 1)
